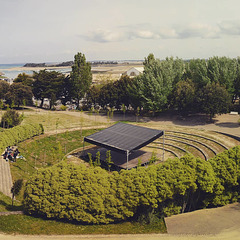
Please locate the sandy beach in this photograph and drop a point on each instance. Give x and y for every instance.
(101, 72)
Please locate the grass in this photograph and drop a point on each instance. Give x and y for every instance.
(23, 224)
(46, 151)
(6, 204)
(55, 120)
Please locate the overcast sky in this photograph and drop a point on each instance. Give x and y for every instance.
(55, 30)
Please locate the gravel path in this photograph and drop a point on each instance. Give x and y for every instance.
(5, 177)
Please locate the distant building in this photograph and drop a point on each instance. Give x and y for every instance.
(133, 72)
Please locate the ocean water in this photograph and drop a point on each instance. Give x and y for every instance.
(8, 72)
(6, 69)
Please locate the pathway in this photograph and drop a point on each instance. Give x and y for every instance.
(5, 177)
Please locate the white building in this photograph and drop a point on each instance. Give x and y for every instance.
(135, 71)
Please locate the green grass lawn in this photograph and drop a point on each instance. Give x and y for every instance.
(56, 120)
(6, 204)
(23, 224)
(46, 151)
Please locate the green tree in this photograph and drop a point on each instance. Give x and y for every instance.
(48, 85)
(155, 84)
(18, 94)
(24, 78)
(4, 87)
(213, 99)
(109, 159)
(236, 82)
(66, 91)
(81, 77)
(16, 188)
(97, 162)
(183, 96)
(11, 118)
(223, 70)
(197, 71)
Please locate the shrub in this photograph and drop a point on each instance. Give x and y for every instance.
(94, 196)
(11, 118)
(63, 108)
(17, 134)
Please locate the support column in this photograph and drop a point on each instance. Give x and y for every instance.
(83, 151)
(127, 158)
(163, 144)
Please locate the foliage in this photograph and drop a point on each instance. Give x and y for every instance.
(16, 188)
(19, 94)
(24, 78)
(63, 108)
(183, 96)
(12, 136)
(173, 83)
(213, 99)
(67, 191)
(81, 77)
(4, 87)
(11, 118)
(48, 85)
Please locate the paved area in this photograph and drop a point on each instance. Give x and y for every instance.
(206, 221)
(5, 177)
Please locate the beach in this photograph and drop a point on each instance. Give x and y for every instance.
(100, 72)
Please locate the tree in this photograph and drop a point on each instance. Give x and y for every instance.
(16, 188)
(25, 79)
(4, 87)
(66, 91)
(11, 118)
(213, 99)
(183, 96)
(155, 84)
(81, 77)
(197, 71)
(236, 82)
(18, 94)
(109, 159)
(223, 70)
(48, 85)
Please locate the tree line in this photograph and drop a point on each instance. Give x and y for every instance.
(51, 85)
(200, 86)
(209, 86)
(93, 195)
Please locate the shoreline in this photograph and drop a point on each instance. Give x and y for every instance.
(32, 68)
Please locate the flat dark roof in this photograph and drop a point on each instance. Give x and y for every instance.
(124, 137)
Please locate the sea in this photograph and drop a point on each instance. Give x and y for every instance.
(10, 73)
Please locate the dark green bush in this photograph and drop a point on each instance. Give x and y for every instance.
(11, 118)
(12, 136)
(94, 196)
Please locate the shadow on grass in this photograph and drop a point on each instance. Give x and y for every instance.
(9, 207)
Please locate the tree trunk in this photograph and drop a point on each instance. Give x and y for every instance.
(41, 105)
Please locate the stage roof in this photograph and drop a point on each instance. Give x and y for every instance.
(124, 137)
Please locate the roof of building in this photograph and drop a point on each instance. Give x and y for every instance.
(124, 137)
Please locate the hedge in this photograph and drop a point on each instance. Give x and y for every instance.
(12, 136)
(95, 196)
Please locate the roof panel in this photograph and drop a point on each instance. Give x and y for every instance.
(124, 137)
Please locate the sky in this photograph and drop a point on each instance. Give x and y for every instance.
(55, 30)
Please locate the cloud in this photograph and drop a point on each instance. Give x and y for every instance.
(103, 36)
(198, 31)
(230, 27)
(147, 31)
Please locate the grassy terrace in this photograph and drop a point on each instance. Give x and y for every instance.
(23, 224)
